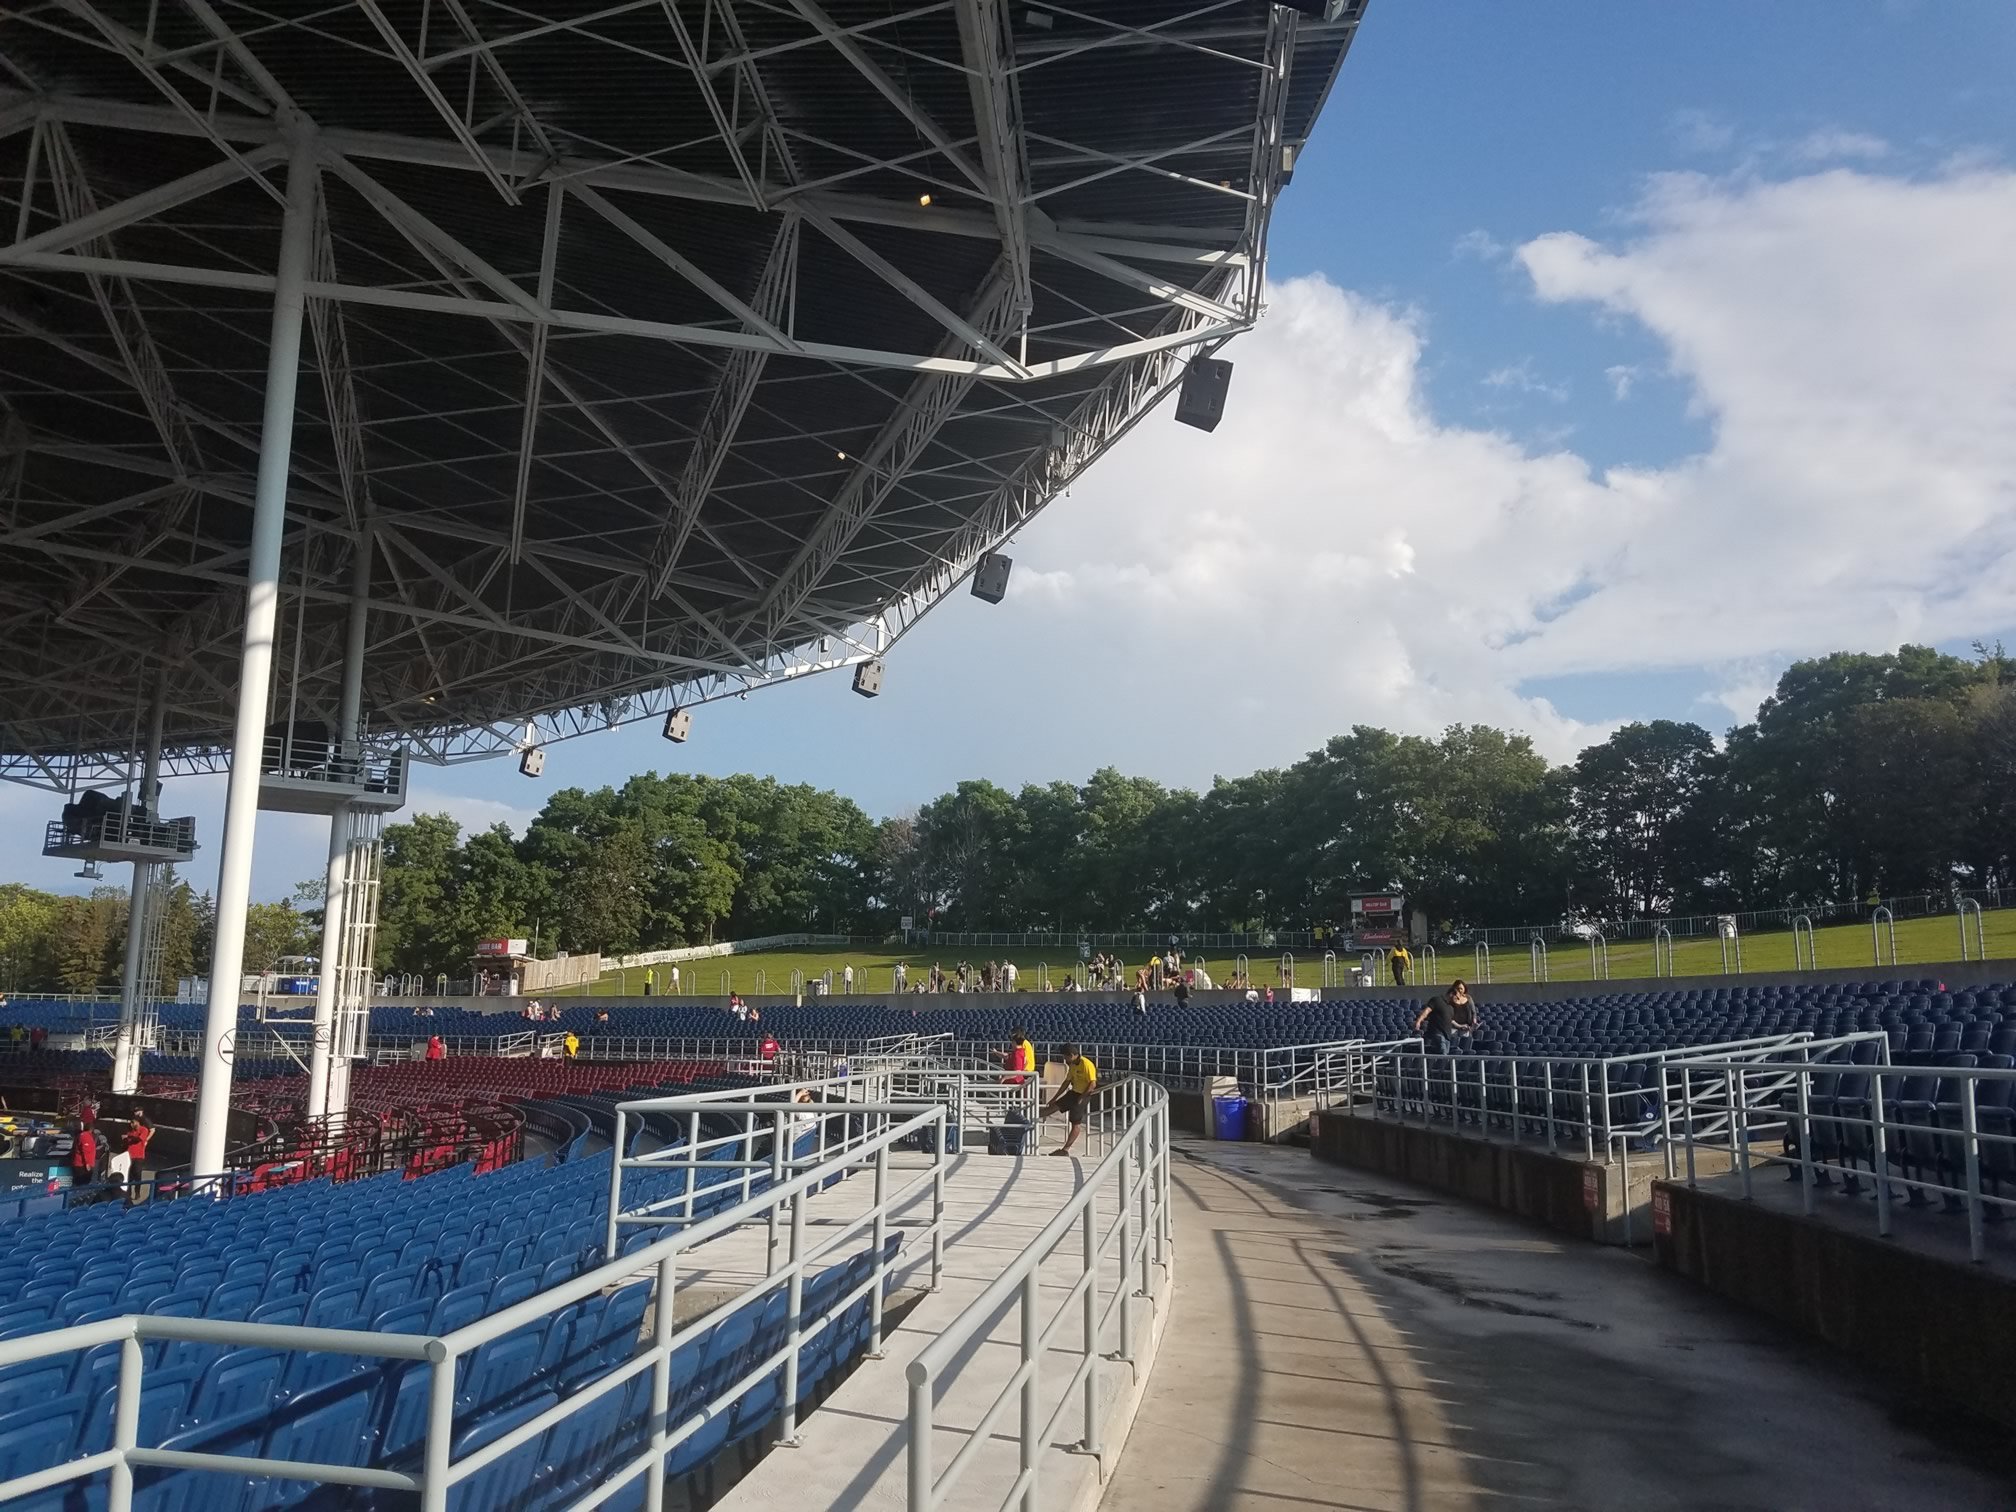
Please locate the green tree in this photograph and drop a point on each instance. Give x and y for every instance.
(1641, 822)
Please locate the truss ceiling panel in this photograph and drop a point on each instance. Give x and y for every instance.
(656, 351)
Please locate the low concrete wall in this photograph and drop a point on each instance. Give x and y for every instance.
(1930, 1326)
(1609, 1202)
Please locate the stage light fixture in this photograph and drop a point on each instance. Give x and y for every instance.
(678, 725)
(990, 577)
(532, 762)
(868, 679)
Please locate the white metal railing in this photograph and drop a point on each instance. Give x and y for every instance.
(1598, 1103)
(1129, 1187)
(1933, 1131)
(439, 1468)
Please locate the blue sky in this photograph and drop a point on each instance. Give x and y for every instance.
(1617, 354)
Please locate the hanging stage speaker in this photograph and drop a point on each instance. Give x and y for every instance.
(678, 725)
(868, 679)
(1201, 401)
(990, 577)
(533, 761)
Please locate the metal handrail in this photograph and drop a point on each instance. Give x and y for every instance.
(1738, 1108)
(1136, 1168)
(440, 1471)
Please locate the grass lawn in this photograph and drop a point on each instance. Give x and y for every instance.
(1918, 940)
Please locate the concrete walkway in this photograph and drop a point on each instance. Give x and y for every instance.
(1339, 1340)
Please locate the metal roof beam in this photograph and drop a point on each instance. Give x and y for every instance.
(723, 419)
(1183, 242)
(988, 47)
(450, 116)
(152, 202)
(920, 296)
(844, 43)
(704, 83)
(123, 43)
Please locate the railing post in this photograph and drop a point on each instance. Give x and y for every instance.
(692, 1160)
(1603, 1082)
(794, 1324)
(1970, 1129)
(938, 1207)
(1739, 1117)
(1145, 1180)
(881, 1239)
(1805, 1075)
(440, 1428)
(1666, 1115)
(1126, 1207)
(1687, 1094)
(1588, 1123)
(663, 1319)
(1512, 1066)
(615, 1188)
(920, 1498)
(1547, 1084)
(125, 1425)
(777, 1137)
(1032, 1407)
(1879, 1148)
(1088, 1243)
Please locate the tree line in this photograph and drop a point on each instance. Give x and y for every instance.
(1861, 774)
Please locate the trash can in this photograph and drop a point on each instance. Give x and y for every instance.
(1228, 1118)
(1256, 1121)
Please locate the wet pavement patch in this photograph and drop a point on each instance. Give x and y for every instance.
(1495, 1299)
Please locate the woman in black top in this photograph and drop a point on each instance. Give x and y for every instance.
(1451, 1020)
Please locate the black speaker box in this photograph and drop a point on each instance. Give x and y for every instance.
(990, 577)
(1201, 401)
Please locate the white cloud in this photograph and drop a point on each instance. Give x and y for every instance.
(1335, 553)
(1480, 244)
(1700, 131)
(1623, 378)
(1833, 144)
(474, 814)
(1522, 378)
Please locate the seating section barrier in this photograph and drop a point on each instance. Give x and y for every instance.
(465, 1338)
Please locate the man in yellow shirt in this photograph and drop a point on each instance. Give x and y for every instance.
(1403, 963)
(1081, 1085)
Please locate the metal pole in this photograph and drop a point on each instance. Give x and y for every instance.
(1740, 1120)
(1805, 1132)
(262, 596)
(794, 1322)
(342, 833)
(881, 1239)
(1126, 1235)
(1879, 1146)
(1970, 1130)
(1588, 1124)
(125, 1425)
(1088, 1241)
(440, 1430)
(132, 991)
(920, 1477)
(1666, 1115)
(662, 1322)
(1032, 1407)
(615, 1188)
(1547, 1084)
(938, 1208)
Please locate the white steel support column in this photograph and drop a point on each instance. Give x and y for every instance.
(262, 595)
(349, 733)
(133, 991)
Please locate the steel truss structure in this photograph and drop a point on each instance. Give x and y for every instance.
(661, 349)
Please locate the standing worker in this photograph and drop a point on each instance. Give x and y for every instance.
(1403, 963)
(1081, 1084)
(83, 1155)
(436, 1050)
(650, 982)
(571, 1044)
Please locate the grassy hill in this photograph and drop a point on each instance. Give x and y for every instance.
(1918, 941)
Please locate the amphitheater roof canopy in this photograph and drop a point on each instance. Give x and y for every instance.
(655, 349)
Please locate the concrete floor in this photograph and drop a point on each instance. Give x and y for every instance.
(852, 1451)
(1341, 1340)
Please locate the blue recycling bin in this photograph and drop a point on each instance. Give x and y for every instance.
(1228, 1118)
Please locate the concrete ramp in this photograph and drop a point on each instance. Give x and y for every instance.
(852, 1451)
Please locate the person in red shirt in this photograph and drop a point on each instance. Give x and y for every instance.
(435, 1049)
(83, 1155)
(769, 1048)
(126, 1164)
